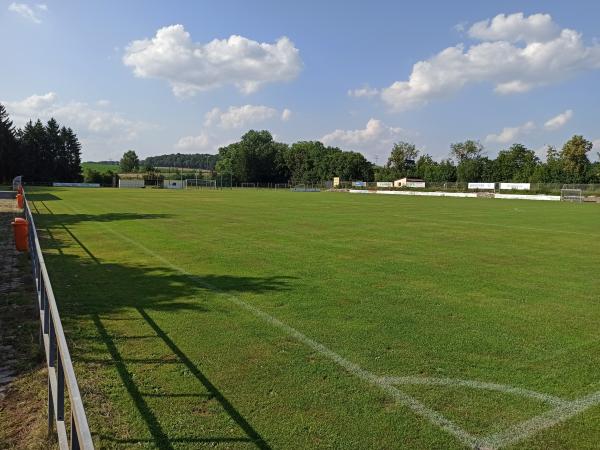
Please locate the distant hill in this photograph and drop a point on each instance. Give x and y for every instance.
(188, 161)
(101, 166)
(174, 160)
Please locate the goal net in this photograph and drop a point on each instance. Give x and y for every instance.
(571, 195)
(194, 183)
(304, 188)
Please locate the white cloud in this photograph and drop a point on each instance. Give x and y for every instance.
(83, 118)
(364, 91)
(205, 142)
(510, 134)
(26, 11)
(596, 144)
(286, 115)
(191, 67)
(512, 87)
(240, 116)
(519, 53)
(375, 139)
(515, 28)
(222, 126)
(196, 143)
(559, 121)
(31, 105)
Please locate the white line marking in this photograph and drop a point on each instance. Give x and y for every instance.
(431, 381)
(516, 433)
(528, 428)
(403, 398)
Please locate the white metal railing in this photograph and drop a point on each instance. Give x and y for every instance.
(58, 359)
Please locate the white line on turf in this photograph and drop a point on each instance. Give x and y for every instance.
(564, 411)
(528, 428)
(455, 382)
(403, 398)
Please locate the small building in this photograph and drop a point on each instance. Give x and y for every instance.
(173, 184)
(131, 180)
(410, 183)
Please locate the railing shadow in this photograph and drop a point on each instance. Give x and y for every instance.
(143, 290)
(41, 196)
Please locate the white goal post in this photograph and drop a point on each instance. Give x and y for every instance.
(571, 195)
(195, 183)
(304, 188)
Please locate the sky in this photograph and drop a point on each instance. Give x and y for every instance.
(189, 77)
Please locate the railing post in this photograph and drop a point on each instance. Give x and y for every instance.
(41, 308)
(46, 311)
(41, 295)
(74, 436)
(51, 341)
(50, 408)
(60, 388)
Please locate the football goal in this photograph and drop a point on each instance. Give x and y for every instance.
(248, 185)
(304, 188)
(194, 183)
(571, 195)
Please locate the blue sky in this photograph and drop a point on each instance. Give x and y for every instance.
(150, 76)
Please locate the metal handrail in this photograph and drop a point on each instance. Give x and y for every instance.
(58, 359)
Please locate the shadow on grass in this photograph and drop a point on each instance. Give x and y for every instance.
(53, 220)
(109, 291)
(151, 287)
(41, 196)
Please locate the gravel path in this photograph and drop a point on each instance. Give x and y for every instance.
(15, 284)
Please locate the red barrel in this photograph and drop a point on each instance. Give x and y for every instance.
(21, 228)
(20, 201)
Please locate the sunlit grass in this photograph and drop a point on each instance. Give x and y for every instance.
(489, 290)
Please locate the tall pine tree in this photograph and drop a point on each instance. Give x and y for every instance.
(72, 151)
(54, 152)
(9, 155)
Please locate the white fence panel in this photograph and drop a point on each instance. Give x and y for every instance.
(125, 183)
(482, 185)
(83, 185)
(515, 186)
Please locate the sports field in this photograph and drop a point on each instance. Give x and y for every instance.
(274, 319)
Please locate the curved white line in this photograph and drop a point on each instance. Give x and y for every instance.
(530, 427)
(433, 381)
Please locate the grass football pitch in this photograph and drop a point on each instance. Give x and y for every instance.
(271, 319)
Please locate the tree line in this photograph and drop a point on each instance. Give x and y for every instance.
(517, 163)
(257, 157)
(189, 161)
(41, 153)
(49, 152)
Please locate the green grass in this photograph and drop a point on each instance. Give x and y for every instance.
(100, 167)
(150, 283)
